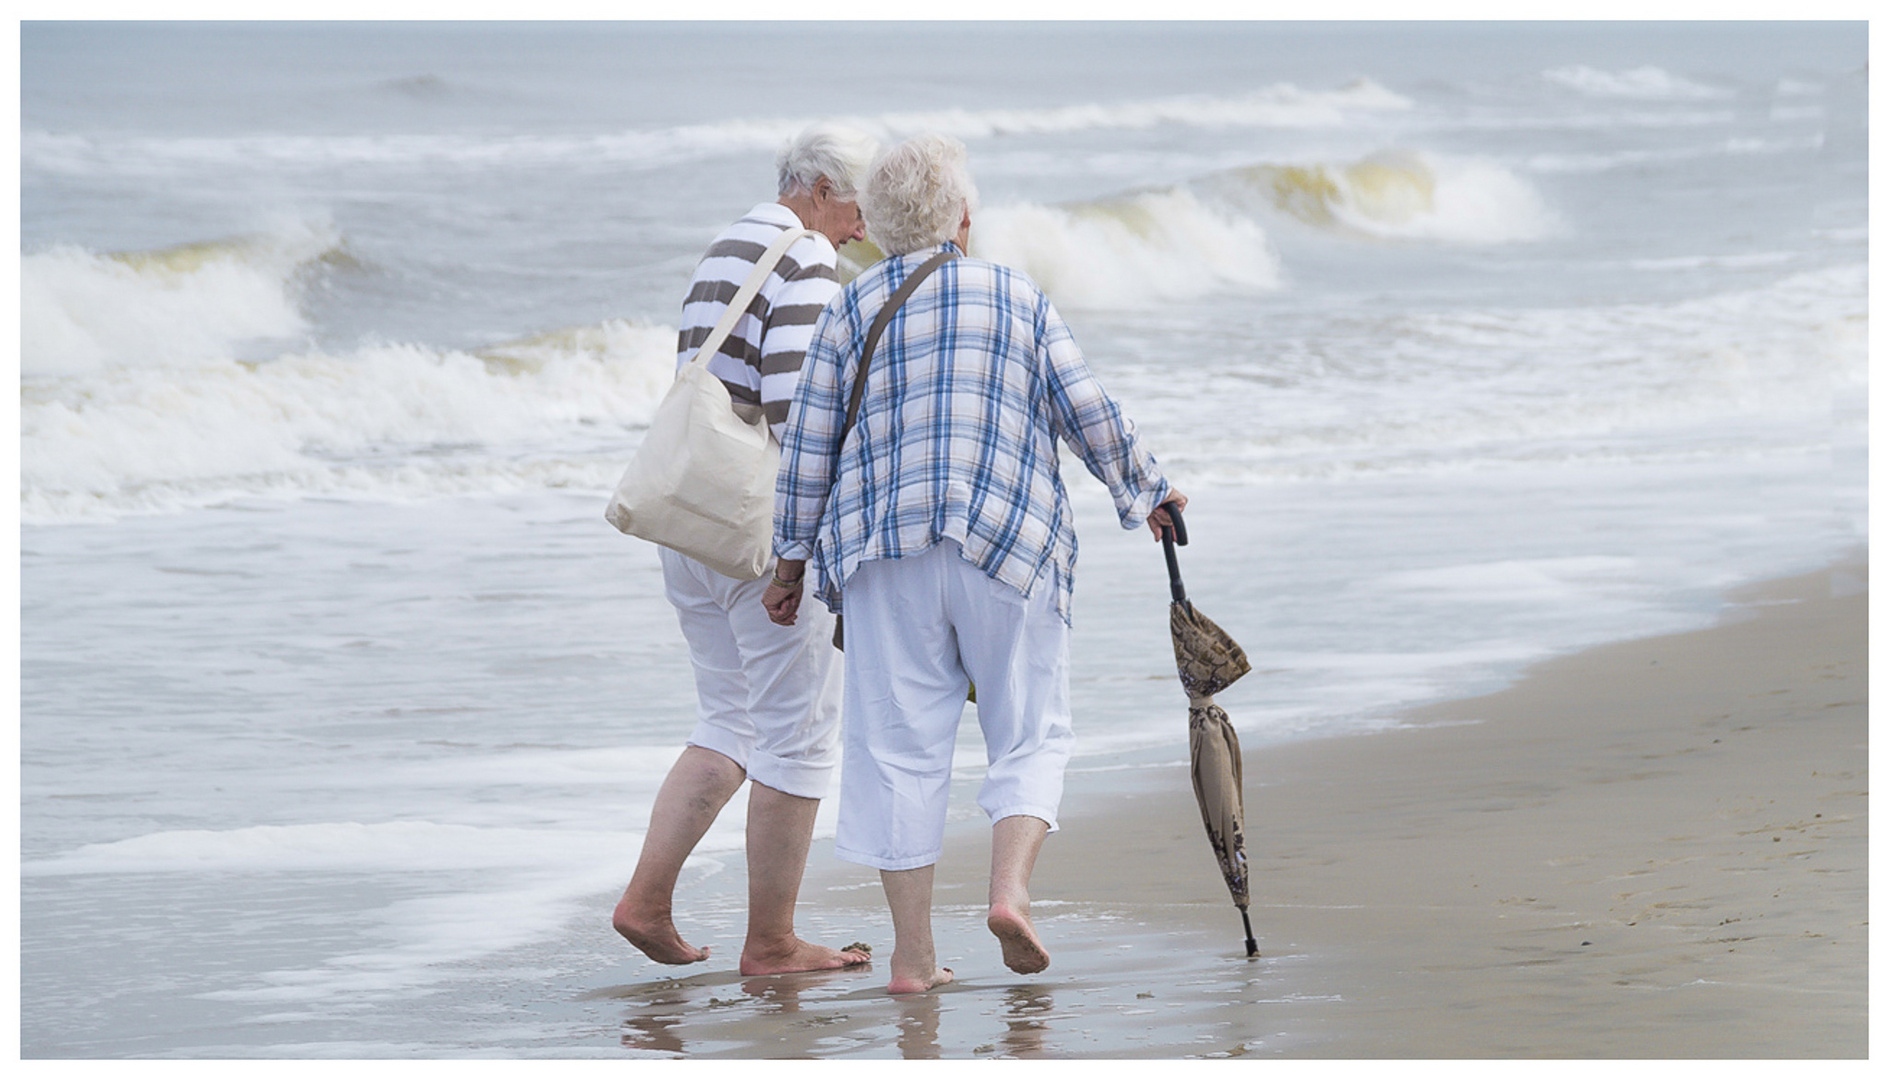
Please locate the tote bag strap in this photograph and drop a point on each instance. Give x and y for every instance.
(905, 290)
(739, 305)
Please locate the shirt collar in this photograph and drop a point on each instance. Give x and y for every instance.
(777, 214)
(925, 253)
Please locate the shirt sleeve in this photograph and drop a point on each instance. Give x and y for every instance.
(808, 281)
(1092, 424)
(811, 430)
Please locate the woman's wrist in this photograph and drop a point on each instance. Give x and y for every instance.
(790, 574)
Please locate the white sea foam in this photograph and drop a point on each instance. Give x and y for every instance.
(1136, 251)
(1474, 201)
(1744, 260)
(1396, 194)
(134, 397)
(400, 420)
(1642, 83)
(1281, 105)
(532, 883)
(1599, 123)
(639, 766)
(1550, 581)
(1623, 159)
(560, 409)
(84, 312)
(1150, 247)
(391, 845)
(416, 943)
(1742, 373)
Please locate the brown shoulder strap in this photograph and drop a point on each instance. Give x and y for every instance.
(891, 308)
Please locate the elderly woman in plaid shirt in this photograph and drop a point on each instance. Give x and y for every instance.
(942, 517)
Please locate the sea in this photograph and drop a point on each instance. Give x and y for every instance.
(341, 705)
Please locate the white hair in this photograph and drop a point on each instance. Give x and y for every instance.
(916, 194)
(838, 153)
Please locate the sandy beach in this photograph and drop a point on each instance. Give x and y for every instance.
(1651, 849)
(1477, 345)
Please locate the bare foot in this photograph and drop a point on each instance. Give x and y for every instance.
(919, 984)
(1023, 952)
(656, 936)
(797, 955)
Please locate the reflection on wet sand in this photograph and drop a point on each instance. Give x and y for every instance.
(801, 1015)
(919, 1015)
(1137, 987)
(661, 1012)
(698, 1015)
(654, 1027)
(1026, 1010)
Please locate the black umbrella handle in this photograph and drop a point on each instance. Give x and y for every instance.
(1169, 538)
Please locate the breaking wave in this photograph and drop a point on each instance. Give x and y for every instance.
(81, 311)
(160, 380)
(1209, 235)
(1638, 84)
(1397, 195)
(134, 397)
(1133, 251)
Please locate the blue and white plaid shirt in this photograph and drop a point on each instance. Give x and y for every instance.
(971, 386)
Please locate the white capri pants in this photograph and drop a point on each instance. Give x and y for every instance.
(919, 630)
(770, 695)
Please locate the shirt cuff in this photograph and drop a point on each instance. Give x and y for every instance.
(1135, 514)
(798, 549)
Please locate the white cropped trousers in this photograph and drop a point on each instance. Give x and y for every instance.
(770, 695)
(919, 631)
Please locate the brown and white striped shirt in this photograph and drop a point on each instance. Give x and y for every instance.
(760, 360)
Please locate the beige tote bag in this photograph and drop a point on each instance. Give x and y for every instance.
(702, 482)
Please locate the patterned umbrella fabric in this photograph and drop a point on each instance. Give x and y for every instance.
(1209, 661)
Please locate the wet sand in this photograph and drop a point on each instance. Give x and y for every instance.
(1651, 849)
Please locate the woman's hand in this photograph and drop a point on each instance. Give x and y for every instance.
(1158, 519)
(782, 598)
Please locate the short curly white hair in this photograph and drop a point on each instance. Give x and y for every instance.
(916, 194)
(838, 153)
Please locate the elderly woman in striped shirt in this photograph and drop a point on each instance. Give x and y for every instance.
(942, 517)
(769, 694)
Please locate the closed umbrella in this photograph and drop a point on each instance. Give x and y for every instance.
(1210, 661)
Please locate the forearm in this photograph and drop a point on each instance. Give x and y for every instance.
(807, 456)
(1091, 423)
(796, 525)
(1112, 451)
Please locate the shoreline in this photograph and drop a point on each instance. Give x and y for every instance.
(1653, 848)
